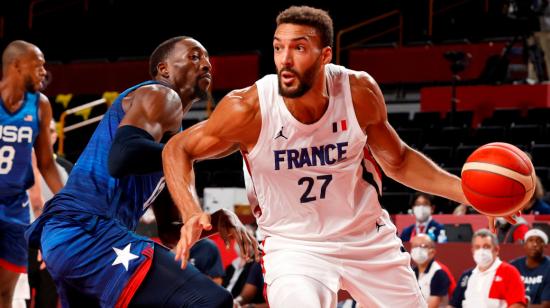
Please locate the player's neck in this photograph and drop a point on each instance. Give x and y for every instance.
(311, 106)
(11, 93)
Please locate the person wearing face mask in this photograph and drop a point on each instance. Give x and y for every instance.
(534, 268)
(492, 283)
(434, 278)
(422, 208)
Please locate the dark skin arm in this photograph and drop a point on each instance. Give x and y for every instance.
(43, 147)
(156, 109)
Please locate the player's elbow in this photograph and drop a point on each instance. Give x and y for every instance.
(134, 152)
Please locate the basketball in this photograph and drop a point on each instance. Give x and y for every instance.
(498, 179)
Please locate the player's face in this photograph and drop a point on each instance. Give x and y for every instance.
(32, 70)
(534, 247)
(190, 68)
(298, 58)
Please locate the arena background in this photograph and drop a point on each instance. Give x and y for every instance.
(94, 47)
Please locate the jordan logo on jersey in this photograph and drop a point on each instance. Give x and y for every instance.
(280, 134)
(326, 154)
(11, 133)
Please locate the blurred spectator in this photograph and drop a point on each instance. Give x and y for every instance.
(508, 233)
(537, 205)
(463, 209)
(435, 280)
(535, 269)
(492, 283)
(245, 280)
(246, 283)
(422, 208)
(206, 257)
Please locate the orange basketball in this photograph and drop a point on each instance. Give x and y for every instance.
(498, 179)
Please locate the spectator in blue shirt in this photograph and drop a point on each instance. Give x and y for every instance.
(535, 268)
(206, 257)
(434, 278)
(422, 209)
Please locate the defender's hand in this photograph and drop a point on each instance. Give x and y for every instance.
(190, 234)
(230, 227)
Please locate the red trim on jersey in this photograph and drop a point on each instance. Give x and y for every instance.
(137, 278)
(369, 157)
(344, 125)
(12, 267)
(452, 284)
(507, 285)
(246, 162)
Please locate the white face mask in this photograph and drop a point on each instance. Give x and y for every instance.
(419, 255)
(483, 257)
(422, 212)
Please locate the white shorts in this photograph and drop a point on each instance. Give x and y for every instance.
(371, 266)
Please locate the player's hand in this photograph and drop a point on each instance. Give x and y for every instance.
(230, 227)
(190, 233)
(512, 219)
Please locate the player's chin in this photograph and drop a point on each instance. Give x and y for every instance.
(204, 83)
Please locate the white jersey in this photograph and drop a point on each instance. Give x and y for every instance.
(309, 181)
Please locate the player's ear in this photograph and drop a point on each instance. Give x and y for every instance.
(162, 69)
(327, 54)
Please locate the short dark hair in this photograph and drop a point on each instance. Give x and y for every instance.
(427, 196)
(161, 53)
(309, 16)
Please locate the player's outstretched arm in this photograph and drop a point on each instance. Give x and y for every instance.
(43, 147)
(397, 159)
(228, 128)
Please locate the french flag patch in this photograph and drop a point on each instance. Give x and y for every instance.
(340, 126)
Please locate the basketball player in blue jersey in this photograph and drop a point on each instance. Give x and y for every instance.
(25, 117)
(86, 231)
(314, 191)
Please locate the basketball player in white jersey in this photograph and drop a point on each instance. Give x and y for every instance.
(307, 135)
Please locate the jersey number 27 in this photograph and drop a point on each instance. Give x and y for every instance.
(309, 181)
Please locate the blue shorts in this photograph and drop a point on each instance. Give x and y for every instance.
(94, 257)
(14, 218)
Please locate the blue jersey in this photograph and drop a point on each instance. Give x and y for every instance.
(92, 190)
(18, 131)
(85, 230)
(536, 280)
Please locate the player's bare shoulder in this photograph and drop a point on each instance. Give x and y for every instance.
(156, 94)
(44, 105)
(367, 98)
(237, 117)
